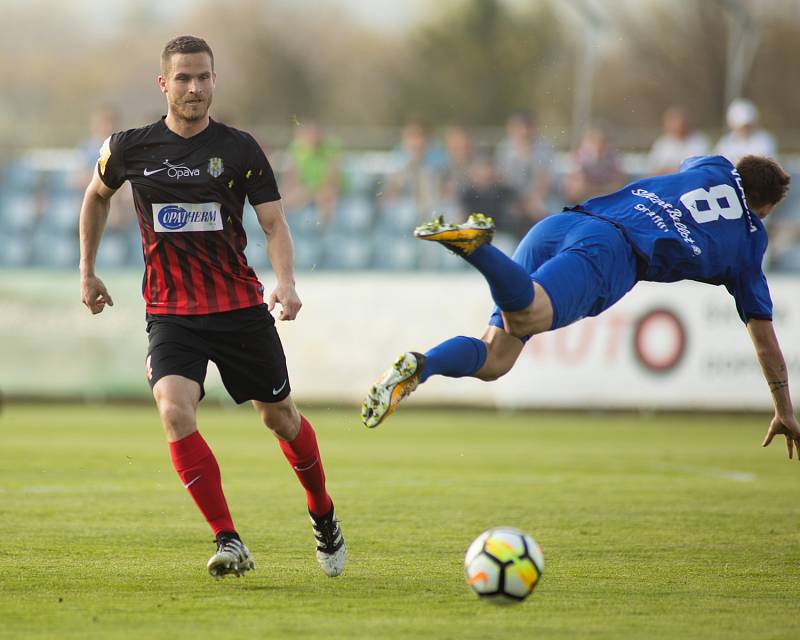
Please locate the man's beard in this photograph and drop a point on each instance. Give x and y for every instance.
(188, 113)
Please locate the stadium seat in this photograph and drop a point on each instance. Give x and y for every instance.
(307, 252)
(134, 239)
(304, 221)
(63, 212)
(113, 251)
(429, 256)
(346, 252)
(399, 216)
(353, 213)
(65, 182)
(395, 254)
(18, 211)
(788, 261)
(250, 222)
(256, 252)
(51, 250)
(15, 250)
(505, 242)
(21, 177)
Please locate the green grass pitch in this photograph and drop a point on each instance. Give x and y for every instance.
(651, 527)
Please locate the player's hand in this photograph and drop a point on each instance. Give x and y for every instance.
(286, 296)
(785, 426)
(94, 294)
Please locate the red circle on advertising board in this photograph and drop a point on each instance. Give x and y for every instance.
(659, 340)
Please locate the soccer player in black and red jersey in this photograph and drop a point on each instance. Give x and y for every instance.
(190, 177)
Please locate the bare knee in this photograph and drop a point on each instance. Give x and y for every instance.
(502, 351)
(178, 419)
(537, 318)
(176, 399)
(282, 418)
(494, 368)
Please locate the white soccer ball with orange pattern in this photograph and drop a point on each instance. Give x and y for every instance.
(503, 565)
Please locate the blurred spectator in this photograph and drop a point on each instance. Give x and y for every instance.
(595, 167)
(744, 137)
(677, 143)
(103, 121)
(460, 150)
(486, 193)
(313, 176)
(524, 161)
(419, 165)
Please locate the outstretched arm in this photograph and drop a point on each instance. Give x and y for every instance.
(281, 256)
(94, 212)
(773, 366)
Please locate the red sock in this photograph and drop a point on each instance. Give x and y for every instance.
(303, 454)
(199, 472)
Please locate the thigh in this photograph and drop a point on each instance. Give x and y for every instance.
(540, 244)
(543, 240)
(252, 364)
(593, 269)
(175, 350)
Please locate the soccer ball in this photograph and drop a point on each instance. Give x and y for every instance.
(503, 565)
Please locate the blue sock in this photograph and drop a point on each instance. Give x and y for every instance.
(455, 358)
(509, 283)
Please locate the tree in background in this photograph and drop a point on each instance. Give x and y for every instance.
(478, 60)
(473, 62)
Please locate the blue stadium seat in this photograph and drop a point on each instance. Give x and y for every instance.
(63, 212)
(395, 254)
(20, 177)
(65, 182)
(429, 255)
(505, 242)
(15, 250)
(50, 250)
(250, 222)
(256, 252)
(18, 211)
(304, 221)
(354, 213)
(788, 261)
(113, 251)
(346, 252)
(307, 252)
(399, 215)
(134, 239)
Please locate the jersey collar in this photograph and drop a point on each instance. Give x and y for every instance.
(202, 135)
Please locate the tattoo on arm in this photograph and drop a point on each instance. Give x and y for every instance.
(776, 385)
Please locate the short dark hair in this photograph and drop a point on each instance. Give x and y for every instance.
(185, 44)
(764, 180)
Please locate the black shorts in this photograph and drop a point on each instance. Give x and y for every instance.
(244, 345)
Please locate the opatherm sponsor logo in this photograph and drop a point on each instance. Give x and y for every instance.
(178, 217)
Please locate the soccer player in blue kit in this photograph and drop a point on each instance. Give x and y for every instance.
(702, 223)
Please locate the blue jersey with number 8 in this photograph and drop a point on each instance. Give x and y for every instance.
(694, 225)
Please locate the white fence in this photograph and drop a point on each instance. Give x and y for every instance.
(678, 346)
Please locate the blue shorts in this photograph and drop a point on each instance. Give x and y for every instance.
(584, 264)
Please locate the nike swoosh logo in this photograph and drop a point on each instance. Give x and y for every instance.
(275, 392)
(192, 481)
(308, 467)
(147, 172)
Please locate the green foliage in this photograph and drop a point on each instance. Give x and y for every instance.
(652, 527)
(477, 61)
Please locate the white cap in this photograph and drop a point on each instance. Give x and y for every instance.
(742, 112)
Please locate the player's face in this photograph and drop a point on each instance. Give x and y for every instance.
(188, 84)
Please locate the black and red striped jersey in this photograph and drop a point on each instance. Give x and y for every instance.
(189, 195)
